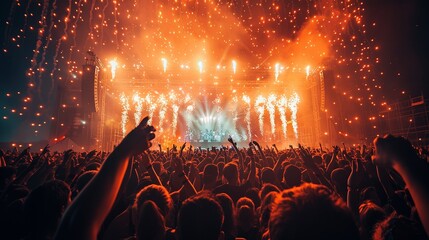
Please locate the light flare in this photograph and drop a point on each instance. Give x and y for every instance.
(307, 71)
(164, 64)
(234, 66)
(276, 71)
(113, 67)
(200, 66)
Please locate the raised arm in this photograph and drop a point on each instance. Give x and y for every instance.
(84, 217)
(260, 151)
(237, 151)
(398, 153)
(147, 165)
(309, 164)
(354, 185)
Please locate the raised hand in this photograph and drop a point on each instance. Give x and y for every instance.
(234, 144)
(307, 158)
(45, 150)
(336, 150)
(256, 143)
(397, 152)
(391, 150)
(183, 146)
(139, 139)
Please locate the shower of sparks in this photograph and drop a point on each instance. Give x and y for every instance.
(293, 106)
(151, 106)
(260, 109)
(175, 107)
(281, 105)
(271, 107)
(246, 99)
(162, 102)
(124, 116)
(138, 106)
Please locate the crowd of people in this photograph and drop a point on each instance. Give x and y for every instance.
(379, 191)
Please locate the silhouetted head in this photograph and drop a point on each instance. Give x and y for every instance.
(267, 188)
(265, 211)
(82, 180)
(398, 228)
(246, 215)
(157, 194)
(44, 207)
(228, 208)
(370, 214)
(200, 217)
(268, 175)
(311, 212)
(151, 223)
(210, 174)
(230, 173)
(292, 176)
(253, 194)
(339, 180)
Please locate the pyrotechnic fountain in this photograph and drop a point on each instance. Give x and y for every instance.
(211, 122)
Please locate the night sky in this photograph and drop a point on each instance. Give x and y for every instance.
(402, 33)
